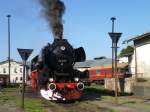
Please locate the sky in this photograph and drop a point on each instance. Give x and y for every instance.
(86, 24)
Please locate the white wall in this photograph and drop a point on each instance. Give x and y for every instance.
(132, 65)
(14, 74)
(143, 60)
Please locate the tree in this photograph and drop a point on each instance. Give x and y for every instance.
(126, 51)
(101, 57)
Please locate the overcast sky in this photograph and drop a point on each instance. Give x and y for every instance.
(86, 23)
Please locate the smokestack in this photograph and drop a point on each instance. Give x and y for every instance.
(53, 11)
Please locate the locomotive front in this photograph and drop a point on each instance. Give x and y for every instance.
(56, 77)
(59, 56)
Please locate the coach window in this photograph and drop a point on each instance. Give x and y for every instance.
(98, 72)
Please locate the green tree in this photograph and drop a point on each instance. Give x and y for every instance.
(126, 51)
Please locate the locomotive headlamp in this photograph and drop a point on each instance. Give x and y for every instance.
(76, 79)
(62, 48)
(51, 79)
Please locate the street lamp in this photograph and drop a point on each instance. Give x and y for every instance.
(115, 36)
(8, 16)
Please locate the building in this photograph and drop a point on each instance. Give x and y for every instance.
(92, 63)
(124, 83)
(140, 60)
(16, 71)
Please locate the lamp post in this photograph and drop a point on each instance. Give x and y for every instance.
(115, 36)
(8, 16)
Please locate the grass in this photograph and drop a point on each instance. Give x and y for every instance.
(10, 98)
(78, 106)
(124, 99)
(6, 95)
(40, 105)
(32, 105)
(88, 106)
(10, 95)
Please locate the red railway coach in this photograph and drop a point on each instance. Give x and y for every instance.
(99, 73)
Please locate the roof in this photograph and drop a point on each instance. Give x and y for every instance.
(85, 64)
(138, 37)
(11, 60)
(119, 65)
(92, 63)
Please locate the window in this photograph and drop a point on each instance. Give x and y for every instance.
(1, 80)
(98, 72)
(15, 70)
(4, 70)
(16, 78)
(21, 70)
(20, 78)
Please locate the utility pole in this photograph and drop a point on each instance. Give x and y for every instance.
(8, 16)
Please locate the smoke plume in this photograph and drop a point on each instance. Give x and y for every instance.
(53, 12)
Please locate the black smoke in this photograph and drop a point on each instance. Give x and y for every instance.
(53, 11)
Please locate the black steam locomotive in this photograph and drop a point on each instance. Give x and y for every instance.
(53, 71)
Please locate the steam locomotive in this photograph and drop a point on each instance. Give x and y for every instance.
(52, 71)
